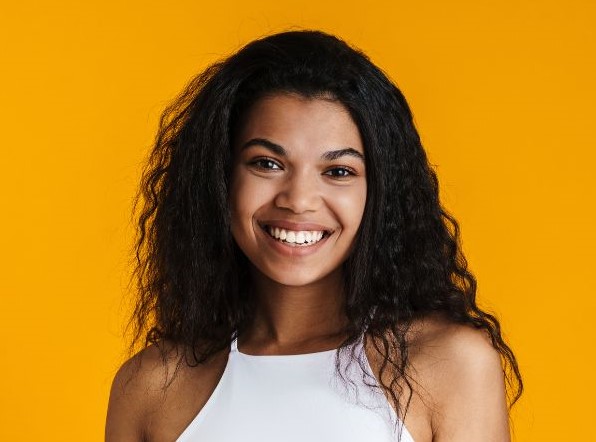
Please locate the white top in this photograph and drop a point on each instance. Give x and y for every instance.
(296, 398)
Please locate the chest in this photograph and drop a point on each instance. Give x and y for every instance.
(290, 398)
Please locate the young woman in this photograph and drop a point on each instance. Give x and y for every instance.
(298, 278)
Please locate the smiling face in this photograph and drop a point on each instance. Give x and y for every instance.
(298, 188)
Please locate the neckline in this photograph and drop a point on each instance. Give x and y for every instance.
(234, 348)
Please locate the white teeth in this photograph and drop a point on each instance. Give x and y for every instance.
(296, 237)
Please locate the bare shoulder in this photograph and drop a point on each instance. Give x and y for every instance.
(155, 394)
(462, 375)
(135, 392)
(462, 346)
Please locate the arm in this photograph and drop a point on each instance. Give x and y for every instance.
(134, 394)
(155, 399)
(469, 389)
(125, 410)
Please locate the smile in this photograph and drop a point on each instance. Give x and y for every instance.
(299, 238)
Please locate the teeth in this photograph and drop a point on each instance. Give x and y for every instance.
(295, 237)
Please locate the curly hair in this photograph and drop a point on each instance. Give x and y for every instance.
(193, 283)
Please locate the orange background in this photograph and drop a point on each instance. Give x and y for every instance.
(503, 94)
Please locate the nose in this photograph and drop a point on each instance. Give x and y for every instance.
(300, 193)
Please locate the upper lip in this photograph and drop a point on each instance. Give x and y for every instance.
(295, 226)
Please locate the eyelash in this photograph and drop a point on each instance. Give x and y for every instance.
(260, 162)
(350, 172)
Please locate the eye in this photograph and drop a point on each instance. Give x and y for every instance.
(340, 172)
(265, 164)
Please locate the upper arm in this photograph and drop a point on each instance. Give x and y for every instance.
(153, 398)
(131, 397)
(125, 410)
(469, 388)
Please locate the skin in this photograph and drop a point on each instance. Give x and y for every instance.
(458, 381)
(300, 186)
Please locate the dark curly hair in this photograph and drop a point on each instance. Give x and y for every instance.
(193, 283)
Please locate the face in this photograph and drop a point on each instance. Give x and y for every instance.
(298, 188)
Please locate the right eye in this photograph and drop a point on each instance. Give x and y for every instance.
(265, 164)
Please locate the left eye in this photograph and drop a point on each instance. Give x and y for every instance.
(339, 172)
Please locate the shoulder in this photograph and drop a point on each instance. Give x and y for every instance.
(135, 391)
(453, 344)
(461, 372)
(151, 384)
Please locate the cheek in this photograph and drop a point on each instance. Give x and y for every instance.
(235, 201)
(246, 197)
(349, 207)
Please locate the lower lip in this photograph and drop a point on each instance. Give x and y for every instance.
(294, 251)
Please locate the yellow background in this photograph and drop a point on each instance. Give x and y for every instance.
(503, 94)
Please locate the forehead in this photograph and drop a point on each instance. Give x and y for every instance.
(293, 120)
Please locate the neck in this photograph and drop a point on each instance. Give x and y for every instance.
(291, 318)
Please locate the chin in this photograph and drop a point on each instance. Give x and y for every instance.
(299, 277)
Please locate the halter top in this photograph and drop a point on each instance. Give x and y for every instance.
(296, 398)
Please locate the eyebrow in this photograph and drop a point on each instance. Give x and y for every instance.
(277, 149)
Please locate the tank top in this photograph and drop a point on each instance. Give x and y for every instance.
(296, 398)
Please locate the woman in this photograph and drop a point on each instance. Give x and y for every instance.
(298, 278)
